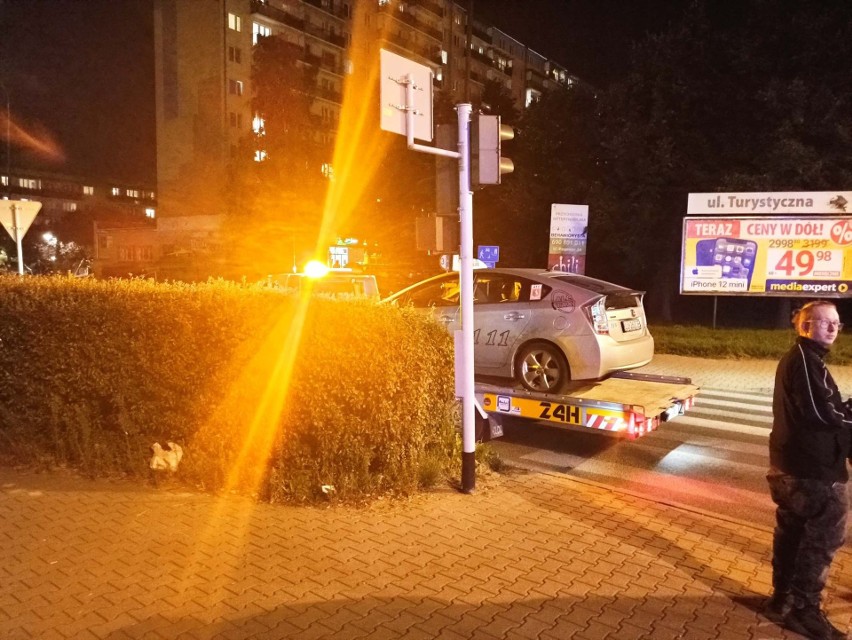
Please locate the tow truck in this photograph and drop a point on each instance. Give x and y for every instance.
(625, 404)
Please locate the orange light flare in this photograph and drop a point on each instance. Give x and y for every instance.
(253, 410)
(360, 144)
(259, 394)
(257, 397)
(37, 140)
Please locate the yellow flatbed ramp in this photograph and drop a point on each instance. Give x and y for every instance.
(625, 404)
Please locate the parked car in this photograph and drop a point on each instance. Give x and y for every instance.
(542, 328)
(335, 283)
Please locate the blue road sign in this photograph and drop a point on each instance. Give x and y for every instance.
(488, 253)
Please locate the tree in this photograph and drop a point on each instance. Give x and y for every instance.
(497, 100)
(752, 99)
(277, 184)
(555, 154)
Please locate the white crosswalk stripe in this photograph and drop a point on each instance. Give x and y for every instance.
(715, 457)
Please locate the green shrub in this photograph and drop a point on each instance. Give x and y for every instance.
(767, 344)
(265, 392)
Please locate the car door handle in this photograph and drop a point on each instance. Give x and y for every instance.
(514, 316)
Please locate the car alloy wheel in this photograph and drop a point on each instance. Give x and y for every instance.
(542, 368)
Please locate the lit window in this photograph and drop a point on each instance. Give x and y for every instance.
(444, 56)
(150, 213)
(69, 206)
(235, 23)
(440, 76)
(259, 155)
(327, 170)
(116, 191)
(88, 191)
(29, 183)
(235, 87)
(259, 31)
(4, 180)
(257, 125)
(132, 193)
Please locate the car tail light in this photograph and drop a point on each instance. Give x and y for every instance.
(597, 316)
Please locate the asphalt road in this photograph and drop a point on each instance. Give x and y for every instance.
(713, 459)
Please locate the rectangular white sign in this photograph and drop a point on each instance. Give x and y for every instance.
(775, 203)
(395, 70)
(569, 225)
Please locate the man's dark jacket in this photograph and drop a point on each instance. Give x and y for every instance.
(812, 427)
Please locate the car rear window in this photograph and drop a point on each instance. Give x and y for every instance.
(591, 284)
(622, 300)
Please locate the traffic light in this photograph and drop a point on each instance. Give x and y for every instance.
(488, 165)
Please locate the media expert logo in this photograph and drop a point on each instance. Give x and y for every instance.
(839, 203)
(815, 288)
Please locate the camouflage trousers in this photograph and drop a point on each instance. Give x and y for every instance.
(810, 526)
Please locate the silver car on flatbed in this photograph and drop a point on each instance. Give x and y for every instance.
(542, 328)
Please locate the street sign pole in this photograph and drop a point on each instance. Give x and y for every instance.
(466, 281)
(399, 72)
(18, 234)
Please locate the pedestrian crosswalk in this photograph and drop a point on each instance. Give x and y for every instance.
(713, 458)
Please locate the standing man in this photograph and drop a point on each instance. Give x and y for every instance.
(810, 441)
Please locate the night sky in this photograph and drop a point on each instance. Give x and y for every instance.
(81, 72)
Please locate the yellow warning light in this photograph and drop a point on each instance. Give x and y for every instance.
(316, 269)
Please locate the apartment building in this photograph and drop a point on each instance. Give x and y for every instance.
(203, 55)
(64, 197)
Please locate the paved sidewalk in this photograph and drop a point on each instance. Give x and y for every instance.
(527, 556)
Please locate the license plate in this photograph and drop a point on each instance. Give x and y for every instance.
(631, 325)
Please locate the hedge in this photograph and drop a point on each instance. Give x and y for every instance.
(288, 397)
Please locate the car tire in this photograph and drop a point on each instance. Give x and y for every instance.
(542, 368)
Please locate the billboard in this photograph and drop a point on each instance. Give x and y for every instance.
(806, 256)
(569, 225)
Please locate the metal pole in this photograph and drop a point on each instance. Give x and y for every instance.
(466, 282)
(715, 300)
(17, 228)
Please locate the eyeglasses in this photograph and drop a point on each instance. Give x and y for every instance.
(825, 324)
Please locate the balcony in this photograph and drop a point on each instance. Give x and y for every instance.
(329, 94)
(279, 15)
(329, 7)
(482, 34)
(430, 30)
(412, 21)
(331, 37)
(429, 5)
(535, 80)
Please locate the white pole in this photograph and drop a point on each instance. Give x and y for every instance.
(18, 235)
(466, 282)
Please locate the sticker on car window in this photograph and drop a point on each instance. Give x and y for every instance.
(562, 301)
(535, 292)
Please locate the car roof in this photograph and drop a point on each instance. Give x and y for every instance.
(551, 278)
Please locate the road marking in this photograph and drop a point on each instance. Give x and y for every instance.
(662, 483)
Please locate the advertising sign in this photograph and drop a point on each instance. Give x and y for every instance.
(569, 225)
(790, 256)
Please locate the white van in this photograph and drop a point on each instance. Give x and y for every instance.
(334, 283)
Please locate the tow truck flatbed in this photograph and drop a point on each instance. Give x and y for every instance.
(625, 404)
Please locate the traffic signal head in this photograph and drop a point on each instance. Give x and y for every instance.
(489, 134)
